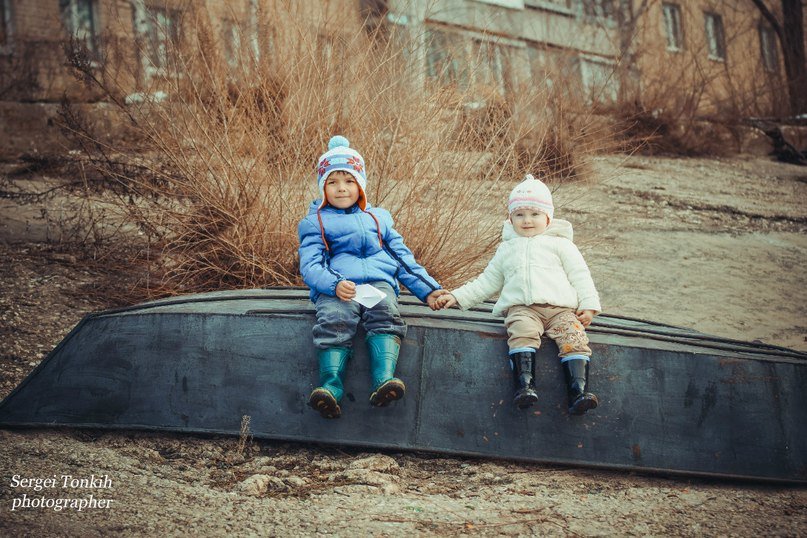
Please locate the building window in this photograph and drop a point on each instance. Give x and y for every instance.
(254, 30)
(232, 41)
(557, 70)
(599, 80)
(81, 20)
(600, 9)
(445, 59)
(5, 24)
(162, 34)
(672, 26)
(715, 37)
(470, 63)
(768, 48)
(491, 68)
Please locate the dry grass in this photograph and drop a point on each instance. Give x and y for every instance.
(244, 437)
(216, 167)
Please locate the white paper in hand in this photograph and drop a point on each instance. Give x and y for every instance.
(367, 295)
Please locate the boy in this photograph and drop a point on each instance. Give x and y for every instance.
(544, 285)
(344, 242)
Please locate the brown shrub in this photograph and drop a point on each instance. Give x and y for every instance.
(226, 150)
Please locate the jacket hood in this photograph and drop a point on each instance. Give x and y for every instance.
(556, 228)
(315, 205)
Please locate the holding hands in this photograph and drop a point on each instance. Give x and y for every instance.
(435, 297)
(446, 300)
(585, 317)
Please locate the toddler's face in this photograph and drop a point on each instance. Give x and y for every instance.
(529, 222)
(341, 190)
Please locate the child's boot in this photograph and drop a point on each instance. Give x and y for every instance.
(576, 372)
(326, 397)
(383, 349)
(523, 363)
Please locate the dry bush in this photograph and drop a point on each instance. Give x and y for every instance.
(665, 114)
(219, 168)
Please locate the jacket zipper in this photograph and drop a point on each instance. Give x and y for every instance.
(528, 272)
(359, 215)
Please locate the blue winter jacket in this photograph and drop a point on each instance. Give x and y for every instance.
(356, 252)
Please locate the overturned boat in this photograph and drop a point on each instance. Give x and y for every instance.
(671, 400)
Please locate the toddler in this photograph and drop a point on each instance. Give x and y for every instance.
(344, 242)
(544, 285)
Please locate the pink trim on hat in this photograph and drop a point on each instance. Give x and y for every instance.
(532, 200)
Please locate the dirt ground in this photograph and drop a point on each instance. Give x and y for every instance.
(715, 245)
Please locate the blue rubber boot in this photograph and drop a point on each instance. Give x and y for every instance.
(383, 350)
(326, 397)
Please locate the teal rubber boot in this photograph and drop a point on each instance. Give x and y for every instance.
(326, 397)
(383, 350)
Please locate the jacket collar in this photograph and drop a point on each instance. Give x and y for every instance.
(557, 228)
(327, 208)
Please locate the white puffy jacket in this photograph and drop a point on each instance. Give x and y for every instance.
(547, 268)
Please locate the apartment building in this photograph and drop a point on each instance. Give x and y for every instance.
(707, 54)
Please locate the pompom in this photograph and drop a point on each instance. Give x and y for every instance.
(529, 176)
(338, 141)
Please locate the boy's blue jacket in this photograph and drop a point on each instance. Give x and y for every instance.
(355, 253)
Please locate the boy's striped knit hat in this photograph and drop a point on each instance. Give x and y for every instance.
(340, 156)
(531, 193)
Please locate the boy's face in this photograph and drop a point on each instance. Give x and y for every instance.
(341, 190)
(529, 222)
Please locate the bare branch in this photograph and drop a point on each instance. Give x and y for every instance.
(771, 18)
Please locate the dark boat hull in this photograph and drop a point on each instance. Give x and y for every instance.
(671, 400)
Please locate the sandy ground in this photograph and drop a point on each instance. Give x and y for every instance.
(716, 245)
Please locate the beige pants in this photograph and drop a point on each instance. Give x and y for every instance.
(526, 324)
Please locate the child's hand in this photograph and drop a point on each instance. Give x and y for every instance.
(433, 298)
(346, 290)
(585, 317)
(446, 301)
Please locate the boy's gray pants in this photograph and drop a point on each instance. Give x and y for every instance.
(337, 320)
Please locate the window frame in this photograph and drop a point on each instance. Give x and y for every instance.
(769, 55)
(719, 53)
(154, 48)
(548, 64)
(492, 66)
(670, 14)
(6, 46)
(233, 41)
(253, 31)
(471, 62)
(608, 88)
(71, 18)
(594, 11)
(447, 64)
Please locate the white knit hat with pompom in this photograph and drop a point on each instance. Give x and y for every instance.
(531, 193)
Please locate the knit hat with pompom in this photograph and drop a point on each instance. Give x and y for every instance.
(533, 194)
(340, 156)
